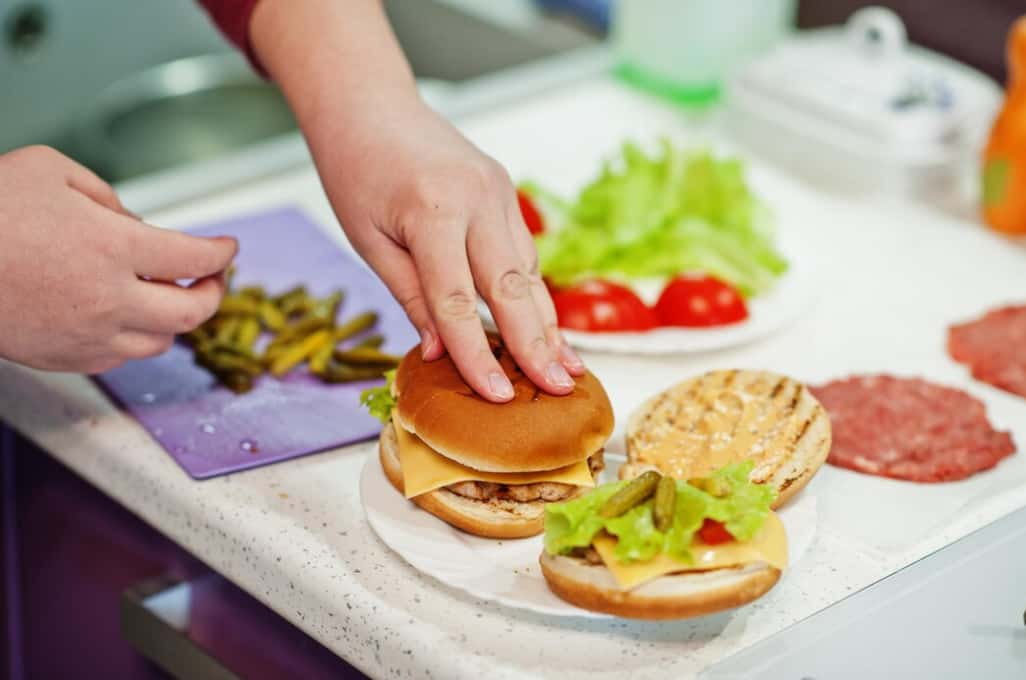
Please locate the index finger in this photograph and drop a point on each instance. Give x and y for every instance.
(448, 285)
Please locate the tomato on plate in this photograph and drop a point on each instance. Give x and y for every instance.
(600, 306)
(714, 533)
(532, 217)
(699, 301)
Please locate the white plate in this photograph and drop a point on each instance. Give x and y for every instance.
(504, 571)
(792, 295)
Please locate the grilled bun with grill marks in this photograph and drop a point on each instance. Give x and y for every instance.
(722, 417)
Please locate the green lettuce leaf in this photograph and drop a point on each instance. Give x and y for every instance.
(638, 538)
(379, 400)
(744, 508)
(692, 509)
(572, 524)
(660, 215)
(741, 505)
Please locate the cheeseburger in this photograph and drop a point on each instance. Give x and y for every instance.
(691, 528)
(486, 468)
(661, 548)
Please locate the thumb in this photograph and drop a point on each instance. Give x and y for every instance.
(88, 183)
(169, 255)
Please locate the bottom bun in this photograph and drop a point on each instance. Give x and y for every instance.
(675, 596)
(491, 519)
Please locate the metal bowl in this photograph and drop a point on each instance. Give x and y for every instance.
(176, 113)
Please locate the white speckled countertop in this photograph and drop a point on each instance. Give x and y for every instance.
(891, 278)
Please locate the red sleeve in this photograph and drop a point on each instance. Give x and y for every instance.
(232, 17)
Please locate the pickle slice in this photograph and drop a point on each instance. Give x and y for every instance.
(636, 492)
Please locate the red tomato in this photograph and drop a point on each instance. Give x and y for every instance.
(699, 301)
(601, 306)
(713, 533)
(532, 218)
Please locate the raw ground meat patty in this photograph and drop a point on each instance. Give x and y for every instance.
(994, 348)
(907, 428)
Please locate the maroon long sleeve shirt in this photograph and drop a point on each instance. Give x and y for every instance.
(232, 17)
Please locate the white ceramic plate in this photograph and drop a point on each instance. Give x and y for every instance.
(505, 571)
(792, 295)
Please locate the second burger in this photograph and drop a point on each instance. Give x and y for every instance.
(486, 468)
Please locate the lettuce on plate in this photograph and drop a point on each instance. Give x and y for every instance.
(740, 505)
(660, 215)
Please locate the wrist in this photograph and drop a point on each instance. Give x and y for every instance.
(348, 145)
(332, 59)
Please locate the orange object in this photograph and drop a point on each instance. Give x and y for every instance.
(1004, 159)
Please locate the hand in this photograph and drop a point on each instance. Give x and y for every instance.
(436, 218)
(439, 221)
(84, 285)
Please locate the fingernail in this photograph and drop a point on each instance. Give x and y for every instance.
(234, 242)
(427, 339)
(570, 357)
(500, 386)
(558, 375)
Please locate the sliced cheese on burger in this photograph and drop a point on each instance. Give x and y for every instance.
(769, 545)
(425, 470)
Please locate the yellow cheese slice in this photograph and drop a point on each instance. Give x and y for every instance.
(768, 545)
(425, 470)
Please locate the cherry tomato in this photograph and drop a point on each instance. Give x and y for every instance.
(601, 306)
(699, 301)
(532, 218)
(714, 533)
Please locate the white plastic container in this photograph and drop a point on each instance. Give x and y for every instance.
(684, 48)
(857, 109)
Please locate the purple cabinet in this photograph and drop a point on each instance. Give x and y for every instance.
(70, 553)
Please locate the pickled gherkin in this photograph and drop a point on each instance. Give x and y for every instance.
(665, 504)
(636, 492)
(254, 332)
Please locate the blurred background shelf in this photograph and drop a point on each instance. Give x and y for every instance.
(136, 88)
(160, 88)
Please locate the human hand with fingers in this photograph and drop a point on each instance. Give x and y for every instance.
(84, 285)
(436, 218)
(441, 225)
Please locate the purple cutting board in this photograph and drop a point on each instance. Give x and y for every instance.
(211, 431)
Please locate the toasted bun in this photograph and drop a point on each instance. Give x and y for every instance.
(675, 596)
(491, 519)
(785, 430)
(534, 431)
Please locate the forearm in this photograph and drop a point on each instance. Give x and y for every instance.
(337, 62)
(435, 217)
